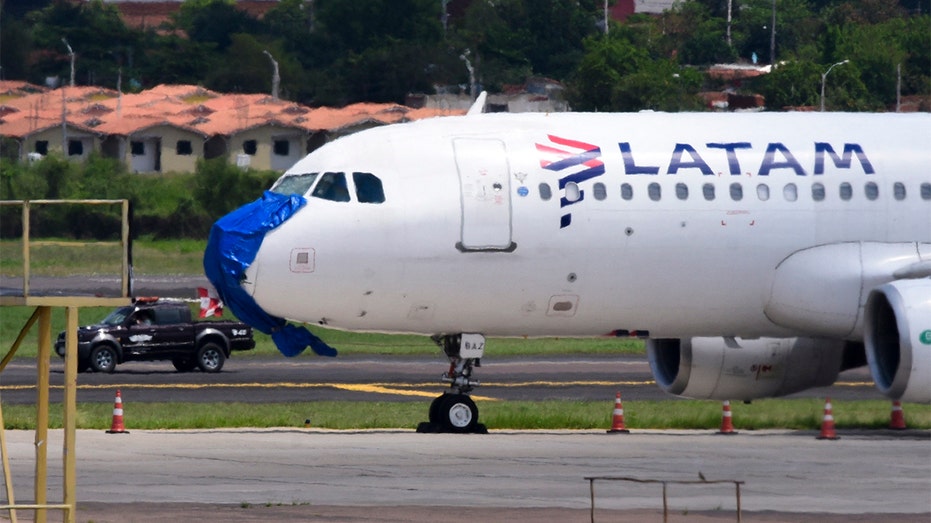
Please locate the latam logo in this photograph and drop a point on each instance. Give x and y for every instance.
(577, 161)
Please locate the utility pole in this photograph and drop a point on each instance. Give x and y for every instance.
(276, 80)
(71, 54)
(772, 38)
(730, 5)
(824, 77)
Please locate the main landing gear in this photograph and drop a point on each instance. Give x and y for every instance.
(455, 411)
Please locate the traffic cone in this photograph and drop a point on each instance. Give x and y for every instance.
(827, 425)
(727, 424)
(617, 423)
(116, 426)
(898, 417)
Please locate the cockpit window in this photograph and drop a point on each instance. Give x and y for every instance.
(294, 183)
(368, 188)
(332, 186)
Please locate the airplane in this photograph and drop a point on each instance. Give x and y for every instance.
(758, 254)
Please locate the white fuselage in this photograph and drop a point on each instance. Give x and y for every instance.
(467, 239)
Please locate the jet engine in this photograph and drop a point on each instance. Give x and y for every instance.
(897, 335)
(745, 369)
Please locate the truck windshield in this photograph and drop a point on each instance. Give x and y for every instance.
(116, 317)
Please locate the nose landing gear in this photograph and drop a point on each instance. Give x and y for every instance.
(454, 411)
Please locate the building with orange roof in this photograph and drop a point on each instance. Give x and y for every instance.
(169, 127)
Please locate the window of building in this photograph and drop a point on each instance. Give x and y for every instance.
(627, 191)
(762, 192)
(737, 192)
(790, 192)
(817, 192)
(250, 147)
(872, 190)
(600, 191)
(332, 186)
(682, 191)
(707, 191)
(368, 188)
(137, 148)
(545, 192)
(898, 190)
(42, 147)
(846, 191)
(75, 148)
(281, 147)
(183, 148)
(926, 191)
(655, 191)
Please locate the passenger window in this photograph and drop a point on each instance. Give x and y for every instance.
(332, 186)
(846, 191)
(762, 192)
(790, 192)
(545, 192)
(682, 191)
(600, 192)
(294, 183)
(573, 192)
(627, 192)
(737, 192)
(817, 192)
(708, 191)
(872, 191)
(368, 188)
(898, 190)
(655, 191)
(926, 191)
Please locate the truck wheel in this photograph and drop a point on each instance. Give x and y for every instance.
(210, 357)
(184, 364)
(103, 358)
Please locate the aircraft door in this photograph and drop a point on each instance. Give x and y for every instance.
(484, 179)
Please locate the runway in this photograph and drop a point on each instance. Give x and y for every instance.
(881, 473)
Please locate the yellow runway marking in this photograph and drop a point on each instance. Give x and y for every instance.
(400, 389)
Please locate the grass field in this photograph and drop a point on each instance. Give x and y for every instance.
(794, 414)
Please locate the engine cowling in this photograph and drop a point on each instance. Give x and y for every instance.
(897, 336)
(744, 369)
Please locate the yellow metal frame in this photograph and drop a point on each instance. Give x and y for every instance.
(43, 315)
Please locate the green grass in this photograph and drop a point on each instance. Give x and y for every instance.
(12, 320)
(78, 257)
(795, 414)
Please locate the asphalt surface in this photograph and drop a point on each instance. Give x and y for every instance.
(367, 378)
(315, 475)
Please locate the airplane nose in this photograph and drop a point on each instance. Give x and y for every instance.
(231, 248)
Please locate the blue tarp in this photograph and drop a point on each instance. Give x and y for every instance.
(234, 241)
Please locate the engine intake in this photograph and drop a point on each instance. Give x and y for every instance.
(745, 369)
(897, 335)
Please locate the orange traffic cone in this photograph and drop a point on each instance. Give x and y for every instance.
(898, 417)
(617, 423)
(727, 424)
(116, 426)
(827, 425)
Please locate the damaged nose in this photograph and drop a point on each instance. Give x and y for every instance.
(234, 241)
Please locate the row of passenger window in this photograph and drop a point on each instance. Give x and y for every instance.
(790, 191)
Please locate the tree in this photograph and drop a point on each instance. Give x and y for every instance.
(214, 21)
(102, 42)
(615, 75)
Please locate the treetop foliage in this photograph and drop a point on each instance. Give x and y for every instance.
(334, 52)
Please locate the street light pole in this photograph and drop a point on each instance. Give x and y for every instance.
(824, 77)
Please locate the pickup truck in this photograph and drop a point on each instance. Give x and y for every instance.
(153, 329)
